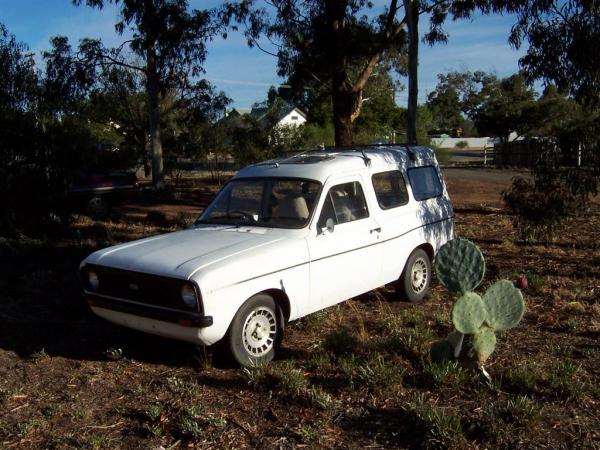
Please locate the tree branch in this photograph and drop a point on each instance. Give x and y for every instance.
(116, 62)
(390, 34)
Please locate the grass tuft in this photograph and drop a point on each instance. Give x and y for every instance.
(341, 342)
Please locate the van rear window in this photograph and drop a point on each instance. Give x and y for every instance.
(425, 182)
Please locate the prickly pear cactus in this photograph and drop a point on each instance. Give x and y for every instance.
(484, 343)
(468, 313)
(504, 305)
(460, 265)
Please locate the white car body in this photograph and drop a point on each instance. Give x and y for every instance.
(304, 270)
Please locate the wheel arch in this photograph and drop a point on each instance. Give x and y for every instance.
(428, 248)
(281, 299)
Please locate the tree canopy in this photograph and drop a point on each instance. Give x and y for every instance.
(562, 38)
(169, 41)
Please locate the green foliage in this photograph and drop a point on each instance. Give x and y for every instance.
(341, 341)
(519, 410)
(437, 427)
(460, 266)
(501, 105)
(445, 373)
(560, 40)
(500, 309)
(559, 188)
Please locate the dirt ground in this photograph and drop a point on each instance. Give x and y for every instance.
(356, 375)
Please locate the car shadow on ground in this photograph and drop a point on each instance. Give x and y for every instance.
(42, 311)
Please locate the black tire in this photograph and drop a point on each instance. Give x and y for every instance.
(416, 277)
(98, 208)
(255, 331)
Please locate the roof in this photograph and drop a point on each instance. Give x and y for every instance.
(320, 165)
(241, 111)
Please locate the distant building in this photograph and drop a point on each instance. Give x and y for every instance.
(288, 116)
(291, 117)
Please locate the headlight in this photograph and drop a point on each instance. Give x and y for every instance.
(188, 296)
(93, 280)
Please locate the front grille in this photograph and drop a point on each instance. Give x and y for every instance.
(139, 287)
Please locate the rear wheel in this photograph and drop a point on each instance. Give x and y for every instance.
(255, 331)
(416, 277)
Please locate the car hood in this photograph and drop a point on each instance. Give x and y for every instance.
(182, 253)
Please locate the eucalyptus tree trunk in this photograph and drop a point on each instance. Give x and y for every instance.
(335, 12)
(153, 92)
(412, 24)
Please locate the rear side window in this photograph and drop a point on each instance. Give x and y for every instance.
(390, 189)
(425, 182)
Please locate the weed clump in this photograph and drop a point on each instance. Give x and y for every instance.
(288, 380)
(437, 427)
(341, 342)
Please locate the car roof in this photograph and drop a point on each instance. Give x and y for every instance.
(321, 164)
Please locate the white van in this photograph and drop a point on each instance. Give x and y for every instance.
(282, 239)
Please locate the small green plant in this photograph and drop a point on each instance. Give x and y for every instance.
(379, 373)
(519, 410)
(39, 355)
(446, 374)
(190, 428)
(4, 395)
(153, 411)
(460, 267)
(438, 427)
(318, 397)
(341, 342)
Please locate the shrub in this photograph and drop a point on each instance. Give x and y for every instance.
(557, 191)
(341, 342)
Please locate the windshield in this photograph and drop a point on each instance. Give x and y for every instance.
(264, 202)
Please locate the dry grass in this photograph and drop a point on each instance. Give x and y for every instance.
(353, 376)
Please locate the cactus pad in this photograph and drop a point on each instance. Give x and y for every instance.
(504, 305)
(460, 266)
(484, 343)
(468, 313)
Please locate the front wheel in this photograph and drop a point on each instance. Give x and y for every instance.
(255, 331)
(416, 276)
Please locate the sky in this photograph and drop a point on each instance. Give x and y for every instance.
(245, 74)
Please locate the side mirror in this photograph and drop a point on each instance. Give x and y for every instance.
(330, 224)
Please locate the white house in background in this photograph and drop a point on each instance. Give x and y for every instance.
(291, 117)
(288, 117)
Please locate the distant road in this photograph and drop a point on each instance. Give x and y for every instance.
(499, 176)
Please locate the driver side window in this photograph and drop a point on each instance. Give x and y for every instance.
(344, 203)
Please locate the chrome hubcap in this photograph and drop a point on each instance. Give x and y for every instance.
(259, 331)
(419, 275)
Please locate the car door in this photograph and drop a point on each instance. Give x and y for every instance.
(345, 258)
(397, 217)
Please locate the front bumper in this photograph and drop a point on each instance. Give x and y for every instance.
(183, 318)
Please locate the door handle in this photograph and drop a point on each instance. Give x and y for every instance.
(378, 230)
